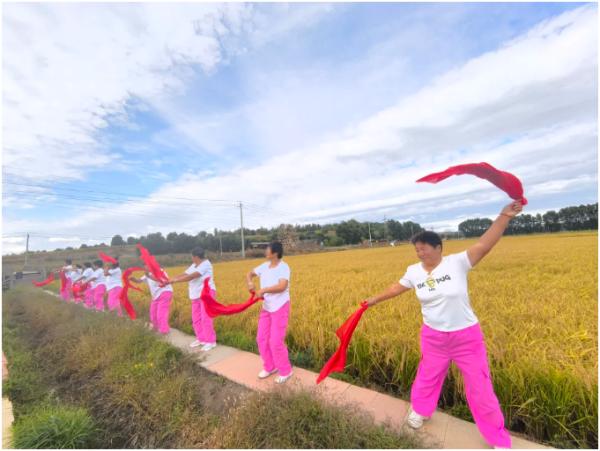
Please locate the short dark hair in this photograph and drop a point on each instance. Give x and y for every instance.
(68, 261)
(276, 248)
(116, 264)
(98, 263)
(78, 266)
(87, 264)
(198, 252)
(427, 237)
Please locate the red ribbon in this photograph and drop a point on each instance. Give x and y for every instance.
(106, 258)
(63, 280)
(214, 308)
(79, 289)
(337, 362)
(124, 296)
(153, 265)
(506, 181)
(48, 280)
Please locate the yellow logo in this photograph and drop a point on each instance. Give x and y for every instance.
(430, 282)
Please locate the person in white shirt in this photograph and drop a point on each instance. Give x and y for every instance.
(114, 285)
(198, 271)
(274, 277)
(161, 301)
(451, 331)
(85, 277)
(66, 270)
(98, 284)
(75, 285)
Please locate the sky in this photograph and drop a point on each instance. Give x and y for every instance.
(136, 118)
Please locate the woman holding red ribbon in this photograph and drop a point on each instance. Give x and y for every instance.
(200, 269)
(274, 277)
(114, 285)
(451, 331)
(98, 283)
(65, 292)
(160, 305)
(88, 294)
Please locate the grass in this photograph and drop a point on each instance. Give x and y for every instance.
(535, 297)
(141, 392)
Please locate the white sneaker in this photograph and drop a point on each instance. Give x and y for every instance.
(415, 420)
(208, 347)
(264, 374)
(196, 343)
(283, 379)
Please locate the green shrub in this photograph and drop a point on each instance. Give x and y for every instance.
(55, 427)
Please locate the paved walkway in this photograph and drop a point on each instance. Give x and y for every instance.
(441, 431)
(7, 412)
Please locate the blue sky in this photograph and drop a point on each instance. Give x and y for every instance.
(306, 112)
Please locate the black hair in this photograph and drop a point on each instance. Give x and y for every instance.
(68, 261)
(98, 263)
(78, 266)
(87, 264)
(427, 237)
(276, 248)
(198, 252)
(115, 264)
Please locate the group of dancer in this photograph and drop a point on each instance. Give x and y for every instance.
(450, 331)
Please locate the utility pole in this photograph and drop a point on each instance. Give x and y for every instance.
(220, 244)
(242, 230)
(370, 241)
(26, 250)
(384, 228)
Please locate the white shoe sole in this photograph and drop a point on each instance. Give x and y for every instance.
(270, 374)
(283, 379)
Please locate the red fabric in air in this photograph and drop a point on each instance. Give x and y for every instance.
(214, 308)
(63, 281)
(79, 289)
(152, 265)
(337, 362)
(124, 296)
(48, 280)
(106, 258)
(506, 181)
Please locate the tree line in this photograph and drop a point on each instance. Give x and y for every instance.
(582, 217)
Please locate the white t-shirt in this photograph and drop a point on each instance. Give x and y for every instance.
(67, 270)
(114, 279)
(100, 279)
(205, 270)
(268, 278)
(73, 275)
(155, 289)
(87, 273)
(443, 293)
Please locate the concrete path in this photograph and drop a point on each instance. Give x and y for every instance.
(441, 431)
(7, 412)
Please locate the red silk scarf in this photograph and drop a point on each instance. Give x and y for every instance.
(45, 282)
(214, 308)
(106, 258)
(506, 181)
(124, 296)
(79, 289)
(63, 281)
(337, 362)
(152, 265)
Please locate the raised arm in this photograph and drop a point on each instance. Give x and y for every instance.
(392, 291)
(492, 235)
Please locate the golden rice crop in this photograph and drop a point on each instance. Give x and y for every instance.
(535, 297)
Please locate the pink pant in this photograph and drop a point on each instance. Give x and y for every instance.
(271, 339)
(159, 312)
(99, 297)
(113, 301)
(466, 348)
(66, 294)
(89, 297)
(202, 323)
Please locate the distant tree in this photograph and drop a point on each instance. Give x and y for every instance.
(132, 240)
(551, 221)
(474, 227)
(350, 231)
(83, 246)
(117, 240)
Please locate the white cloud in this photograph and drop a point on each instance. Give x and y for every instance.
(528, 107)
(70, 69)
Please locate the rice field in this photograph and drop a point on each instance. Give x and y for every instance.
(535, 297)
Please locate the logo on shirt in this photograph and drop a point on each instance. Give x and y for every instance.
(430, 282)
